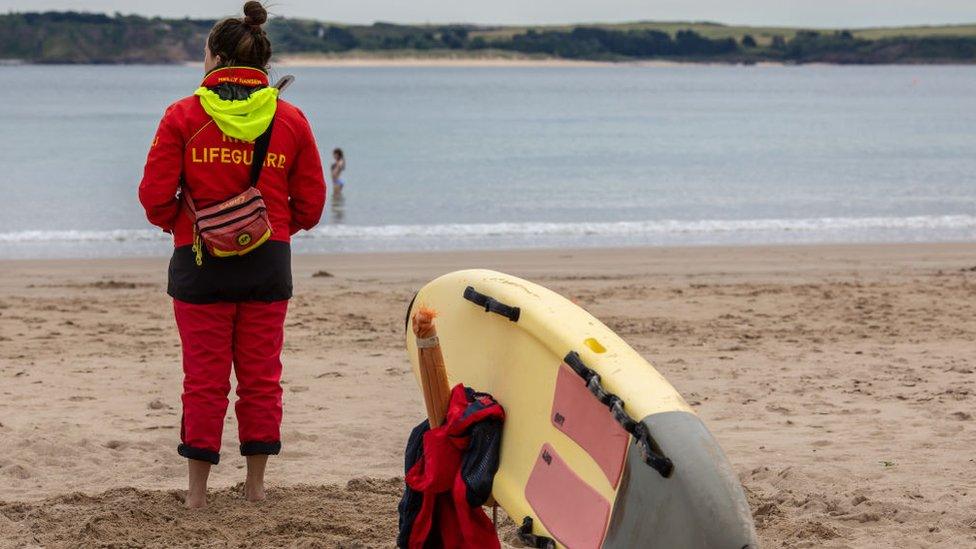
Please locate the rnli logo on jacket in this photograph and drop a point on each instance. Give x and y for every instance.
(243, 239)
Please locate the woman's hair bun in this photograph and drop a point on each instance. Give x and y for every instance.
(254, 14)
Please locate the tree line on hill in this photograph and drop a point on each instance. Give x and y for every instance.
(70, 37)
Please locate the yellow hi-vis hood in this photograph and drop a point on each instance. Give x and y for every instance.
(244, 119)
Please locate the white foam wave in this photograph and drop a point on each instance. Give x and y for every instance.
(628, 229)
(638, 228)
(115, 235)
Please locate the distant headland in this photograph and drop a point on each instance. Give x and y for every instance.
(80, 38)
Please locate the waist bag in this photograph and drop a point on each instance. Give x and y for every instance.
(237, 225)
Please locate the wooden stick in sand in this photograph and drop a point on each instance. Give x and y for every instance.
(433, 375)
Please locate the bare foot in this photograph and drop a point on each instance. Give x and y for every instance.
(254, 491)
(196, 496)
(195, 501)
(254, 483)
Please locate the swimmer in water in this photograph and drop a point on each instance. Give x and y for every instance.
(338, 167)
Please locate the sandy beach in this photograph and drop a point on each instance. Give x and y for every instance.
(433, 59)
(459, 60)
(839, 380)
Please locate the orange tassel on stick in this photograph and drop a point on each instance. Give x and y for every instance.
(433, 375)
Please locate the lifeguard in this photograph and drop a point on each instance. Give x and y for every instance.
(230, 311)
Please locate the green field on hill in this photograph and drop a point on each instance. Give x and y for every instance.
(71, 37)
(763, 35)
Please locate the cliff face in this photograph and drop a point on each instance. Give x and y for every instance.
(71, 37)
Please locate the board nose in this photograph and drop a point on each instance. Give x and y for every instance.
(701, 505)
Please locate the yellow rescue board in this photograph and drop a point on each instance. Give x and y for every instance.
(520, 361)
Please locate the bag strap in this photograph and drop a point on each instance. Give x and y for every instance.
(261, 152)
(257, 162)
(185, 194)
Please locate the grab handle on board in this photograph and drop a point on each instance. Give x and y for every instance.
(532, 540)
(492, 305)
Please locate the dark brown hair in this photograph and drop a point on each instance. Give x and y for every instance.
(240, 41)
(339, 152)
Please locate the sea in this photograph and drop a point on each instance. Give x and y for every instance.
(448, 158)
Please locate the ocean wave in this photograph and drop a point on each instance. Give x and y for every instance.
(115, 235)
(628, 229)
(638, 228)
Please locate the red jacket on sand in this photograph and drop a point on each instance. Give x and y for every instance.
(217, 167)
(447, 517)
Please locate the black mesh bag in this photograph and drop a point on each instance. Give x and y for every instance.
(480, 461)
(410, 502)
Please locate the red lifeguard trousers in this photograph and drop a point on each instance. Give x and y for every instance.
(248, 335)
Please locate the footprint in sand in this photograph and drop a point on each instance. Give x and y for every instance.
(778, 409)
(17, 472)
(158, 404)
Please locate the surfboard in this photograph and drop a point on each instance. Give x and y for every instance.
(598, 449)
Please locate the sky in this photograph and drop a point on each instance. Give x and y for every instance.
(802, 13)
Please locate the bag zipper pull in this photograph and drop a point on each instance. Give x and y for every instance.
(197, 249)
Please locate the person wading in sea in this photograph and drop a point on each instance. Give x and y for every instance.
(338, 166)
(230, 311)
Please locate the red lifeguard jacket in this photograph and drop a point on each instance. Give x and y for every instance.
(217, 167)
(450, 515)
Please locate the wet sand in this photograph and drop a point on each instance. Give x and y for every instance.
(838, 379)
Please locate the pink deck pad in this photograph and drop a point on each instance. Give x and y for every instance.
(583, 418)
(573, 512)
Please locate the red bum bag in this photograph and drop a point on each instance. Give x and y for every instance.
(234, 227)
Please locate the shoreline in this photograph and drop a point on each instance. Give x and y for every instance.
(408, 60)
(398, 257)
(329, 237)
